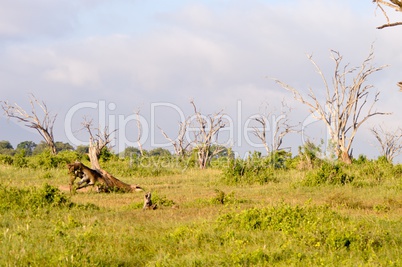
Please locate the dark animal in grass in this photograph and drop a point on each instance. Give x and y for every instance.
(148, 202)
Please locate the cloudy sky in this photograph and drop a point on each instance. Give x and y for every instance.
(107, 59)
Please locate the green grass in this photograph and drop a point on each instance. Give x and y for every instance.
(203, 220)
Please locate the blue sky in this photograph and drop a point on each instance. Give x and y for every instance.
(135, 54)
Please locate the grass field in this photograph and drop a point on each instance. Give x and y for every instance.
(202, 220)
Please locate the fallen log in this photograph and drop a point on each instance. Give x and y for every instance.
(116, 185)
(104, 181)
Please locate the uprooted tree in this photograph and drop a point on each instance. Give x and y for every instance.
(98, 141)
(347, 101)
(43, 124)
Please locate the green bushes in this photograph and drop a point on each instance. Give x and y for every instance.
(282, 235)
(312, 231)
(254, 170)
(32, 199)
(45, 160)
(328, 173)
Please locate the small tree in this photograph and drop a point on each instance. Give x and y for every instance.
(28, 146)
(180, 144)
(205, 135)
(346, 105)
(390, 142)
(6, 148)
(279, 128)
(43, 125)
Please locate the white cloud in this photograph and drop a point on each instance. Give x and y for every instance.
(214, 55)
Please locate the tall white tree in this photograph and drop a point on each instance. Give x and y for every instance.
(349, 102)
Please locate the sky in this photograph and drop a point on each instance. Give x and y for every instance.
(106, 60)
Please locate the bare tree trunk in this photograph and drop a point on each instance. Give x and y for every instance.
(139, 127)
(96, 143)
(345, 157)
(94, 155)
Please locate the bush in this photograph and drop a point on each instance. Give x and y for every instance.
(250, 171)
(6, 159)
(312, 226)
(44, 160)
(328, 173)
(20, 160)
(32, 199)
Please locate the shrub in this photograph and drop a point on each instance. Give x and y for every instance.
(328, 173)
(221, 198)
(251, 171)
(32, 199)
(311, 226)
(6, 159)
(161, 200)
(20, 160)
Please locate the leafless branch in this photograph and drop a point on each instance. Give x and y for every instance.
(44, 126)
(280, 127)
(395, 4)
(180, 144)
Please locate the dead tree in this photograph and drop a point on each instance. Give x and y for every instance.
(180, 144)
(390, 142)
(206, 130)
(346, 105)
(139, 127)
(395, 4)
(97, 142)
(280, 126)
(43, 125)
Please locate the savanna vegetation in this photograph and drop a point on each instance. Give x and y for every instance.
(259, 211)
(213, 209)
